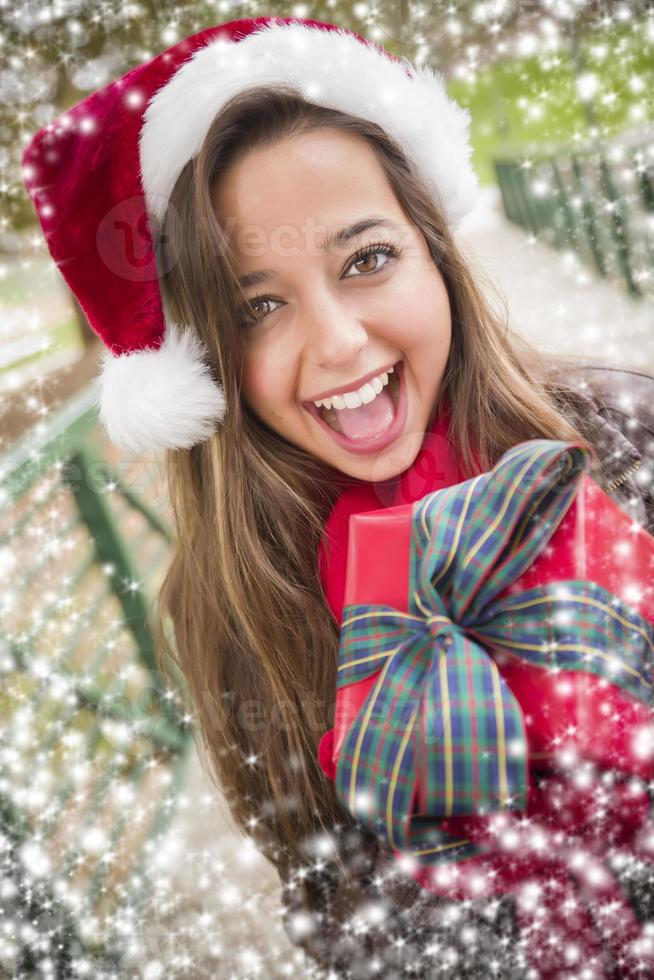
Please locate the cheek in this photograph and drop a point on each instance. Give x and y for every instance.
(265, 385)
(424, 315)
(256, 381)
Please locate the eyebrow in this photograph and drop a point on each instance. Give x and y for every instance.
(339, 237)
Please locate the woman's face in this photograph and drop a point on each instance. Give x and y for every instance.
(326, 320)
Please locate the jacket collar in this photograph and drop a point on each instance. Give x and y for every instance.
(616, 455)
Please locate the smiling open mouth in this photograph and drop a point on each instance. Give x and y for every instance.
(331, 415)
(378, 424)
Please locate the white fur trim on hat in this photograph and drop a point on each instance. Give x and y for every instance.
(150, 400)
(329, 67)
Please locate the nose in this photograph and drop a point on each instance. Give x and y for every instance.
(334, 333)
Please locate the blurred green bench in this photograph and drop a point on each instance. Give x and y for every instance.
(596, 200)
(95, 744)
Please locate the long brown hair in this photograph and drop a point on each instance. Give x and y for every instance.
(253, 635)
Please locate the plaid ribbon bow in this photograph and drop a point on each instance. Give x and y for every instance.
(440, 719)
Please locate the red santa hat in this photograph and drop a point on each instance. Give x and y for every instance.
(101, 177)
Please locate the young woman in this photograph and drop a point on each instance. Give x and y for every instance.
(305, 208)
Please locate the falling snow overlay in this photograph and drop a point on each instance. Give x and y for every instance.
(118, 858)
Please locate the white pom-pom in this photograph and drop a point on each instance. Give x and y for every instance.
(151, 400)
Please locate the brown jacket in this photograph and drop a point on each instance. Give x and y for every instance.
(378, 922)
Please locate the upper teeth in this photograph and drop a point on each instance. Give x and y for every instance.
(362, 396)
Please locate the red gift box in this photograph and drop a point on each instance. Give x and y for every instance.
(564, 712)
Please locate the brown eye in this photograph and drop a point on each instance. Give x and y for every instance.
(254, 307)
(389, 252)
(251, 314)
(369, 260)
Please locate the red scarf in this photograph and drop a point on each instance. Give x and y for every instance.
(436, 466)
